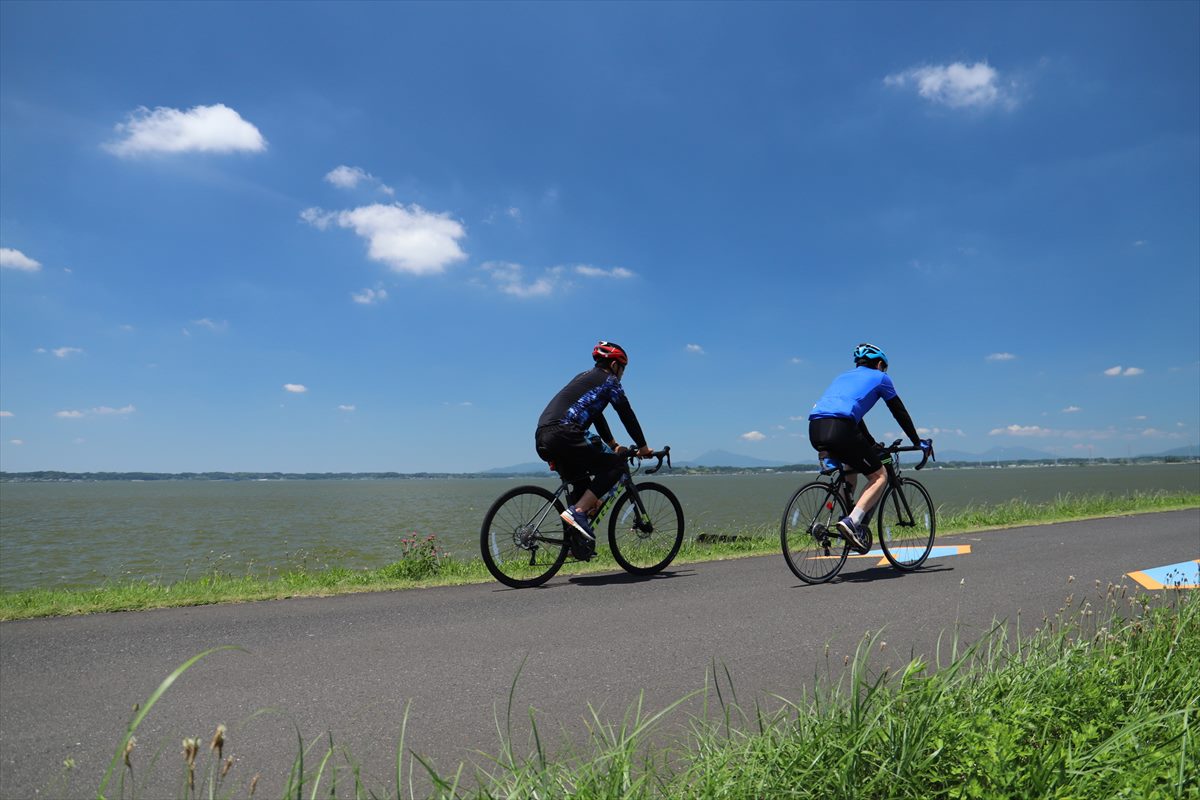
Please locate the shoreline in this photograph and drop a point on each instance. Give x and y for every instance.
(217, 588)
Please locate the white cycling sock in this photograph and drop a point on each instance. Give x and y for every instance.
(856, 516)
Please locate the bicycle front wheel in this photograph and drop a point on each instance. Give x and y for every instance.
(523, 539)
(907, 524)
(812, 547)
(645, 535)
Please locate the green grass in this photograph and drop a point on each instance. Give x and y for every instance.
(418, 567)
(1102, 702)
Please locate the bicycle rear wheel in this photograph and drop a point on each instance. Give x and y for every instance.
(812, 547)
(907, 524)
(523, 539)
(644, 544)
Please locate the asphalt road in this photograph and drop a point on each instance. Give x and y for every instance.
(349, 666)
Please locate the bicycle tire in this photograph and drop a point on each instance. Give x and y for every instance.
(906, 541)
(644, 547)
(518, 550)
(815, 552)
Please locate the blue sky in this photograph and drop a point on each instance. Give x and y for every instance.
(310, 237)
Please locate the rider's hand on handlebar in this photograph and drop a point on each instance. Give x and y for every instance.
(645, 451)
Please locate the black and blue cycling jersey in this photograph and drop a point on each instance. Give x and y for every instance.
(582, 401)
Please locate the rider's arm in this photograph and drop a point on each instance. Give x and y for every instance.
(605, 432)
(901, 414)
(629, 420)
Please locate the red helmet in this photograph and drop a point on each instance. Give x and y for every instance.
(610, 351)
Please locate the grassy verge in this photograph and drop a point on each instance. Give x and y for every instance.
(420, 564)
(1098, 703)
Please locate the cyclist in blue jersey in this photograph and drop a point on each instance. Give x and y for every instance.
(562, 439)
(836, 429)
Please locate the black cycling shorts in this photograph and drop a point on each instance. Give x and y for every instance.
(575, 459)
(842, 439)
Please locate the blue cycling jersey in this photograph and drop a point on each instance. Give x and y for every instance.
(852, 394)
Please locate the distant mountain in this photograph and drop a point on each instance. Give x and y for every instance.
(1191, 451)
(723, 458)
(995, 454)
(528, 468)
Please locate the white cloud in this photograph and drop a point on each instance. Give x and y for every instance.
(588, 271)
(347, 408)
(1124, 371)
(510, 278)
(1022, 430)
(15, 259)
(406, 238)
(99, 411)
(214, 325)
(941, 431)
(17, 442)
(1133, 371)
(513, 213)
(6, 414)
(1072, 410)
(105, 410)
(753, 436)
(957, 85)
(695, 348)
(369, 297)
(295, 388)
(345, 177)
(1040, 432)
(1000, 357)
(201, 129)
(63, 352)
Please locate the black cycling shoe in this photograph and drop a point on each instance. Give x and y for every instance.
(581, 548)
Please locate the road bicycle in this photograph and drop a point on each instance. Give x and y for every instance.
(524, 541)
(905, 517)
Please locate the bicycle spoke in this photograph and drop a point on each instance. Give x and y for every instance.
(645, 533)
(813, 549)
(907, 524)
(523, 538)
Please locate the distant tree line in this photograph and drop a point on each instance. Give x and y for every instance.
(54, 475)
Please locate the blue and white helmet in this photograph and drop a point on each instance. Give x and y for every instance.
(868, 352)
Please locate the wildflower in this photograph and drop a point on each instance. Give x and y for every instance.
(129, 745)
(254, 784)
(218, 740)
(227, 766)
(190, 748)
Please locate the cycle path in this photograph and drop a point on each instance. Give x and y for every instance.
(351, 665)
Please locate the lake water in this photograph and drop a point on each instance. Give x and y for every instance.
(82, 534)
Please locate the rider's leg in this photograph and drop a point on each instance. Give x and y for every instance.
(876, 481)
(588, 502)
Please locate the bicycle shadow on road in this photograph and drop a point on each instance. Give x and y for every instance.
(617, 578)
(885, 573)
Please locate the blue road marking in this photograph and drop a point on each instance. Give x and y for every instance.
(1184, 575)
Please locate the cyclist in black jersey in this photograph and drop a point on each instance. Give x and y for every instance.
(562, 439)
(836, 429)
